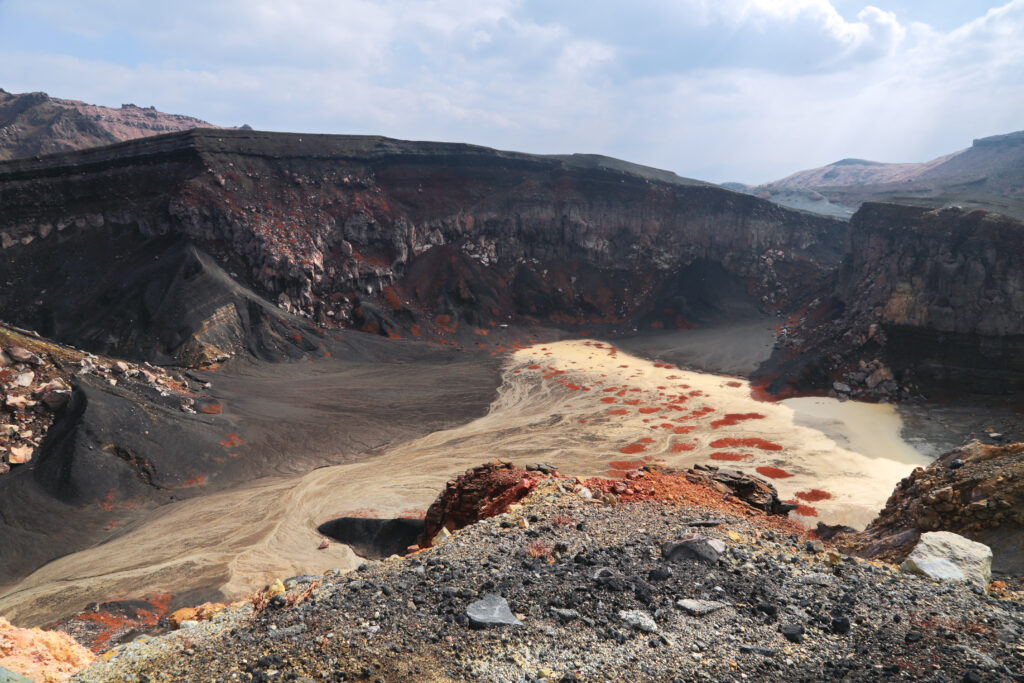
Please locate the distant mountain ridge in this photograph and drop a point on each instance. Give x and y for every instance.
(988, 175)
(34, 123)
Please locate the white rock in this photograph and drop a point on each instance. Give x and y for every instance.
(945, 556)
(639, 620)
(20, 455)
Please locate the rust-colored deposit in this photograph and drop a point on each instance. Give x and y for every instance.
(43, 656)
(481, 492)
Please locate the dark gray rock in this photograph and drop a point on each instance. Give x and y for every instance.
(693, 547)
(794, 633)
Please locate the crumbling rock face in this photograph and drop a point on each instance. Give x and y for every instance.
(391, 237)
(976, 491)
(481, 492)
(927, 301)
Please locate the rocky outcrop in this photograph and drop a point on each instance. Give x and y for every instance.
(392, 237)
(34, 123)
(976, 491)
(481, 492)
(927, 301)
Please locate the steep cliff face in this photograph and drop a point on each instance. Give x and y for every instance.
(928, 300)
(400, 238)
(35, 123)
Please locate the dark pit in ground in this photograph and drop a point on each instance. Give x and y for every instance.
(374, 539)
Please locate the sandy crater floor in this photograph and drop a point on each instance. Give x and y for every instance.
(584, 406)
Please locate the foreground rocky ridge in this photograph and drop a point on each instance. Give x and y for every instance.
(680, 586)
(398, 238)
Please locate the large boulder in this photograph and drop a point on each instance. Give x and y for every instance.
(945, 556)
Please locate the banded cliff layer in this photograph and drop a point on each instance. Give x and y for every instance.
(927, 301)
(398, 238)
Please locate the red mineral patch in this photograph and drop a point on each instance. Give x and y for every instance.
(726, 455)
(647, 439)
(814, 495)
(734, 384)
(731, 419)
(683, 447)
(802, 510)
(773, 472)
(618, 411)
(685, 429)
(633, 448)
(626, 464)
(754, 442)
(648, 411)
(212, 409)
(608, 399)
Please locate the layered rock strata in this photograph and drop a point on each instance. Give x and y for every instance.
(395, 237)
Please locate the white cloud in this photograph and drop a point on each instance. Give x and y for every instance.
(719, 89)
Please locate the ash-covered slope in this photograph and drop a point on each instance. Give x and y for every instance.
(34, 123)
(400, 238)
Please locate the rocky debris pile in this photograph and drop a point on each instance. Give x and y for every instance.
(31, 390)
(871, 380)
(976, 491)
(36, 382)
(560, 587)
(41, 656)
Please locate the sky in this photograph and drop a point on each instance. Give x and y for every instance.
(720, 90)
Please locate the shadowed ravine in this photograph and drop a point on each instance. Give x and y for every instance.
(582, 406)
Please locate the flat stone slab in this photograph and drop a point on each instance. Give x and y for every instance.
(699, 608)
(491, 610)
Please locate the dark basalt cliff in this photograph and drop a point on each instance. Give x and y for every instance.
(399, 238)
(927, 300)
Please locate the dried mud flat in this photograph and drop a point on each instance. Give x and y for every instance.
(598, 600)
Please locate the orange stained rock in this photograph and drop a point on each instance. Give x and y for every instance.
(44, 656)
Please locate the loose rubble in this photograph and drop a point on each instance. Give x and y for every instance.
(596, 598)
(36, 382)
